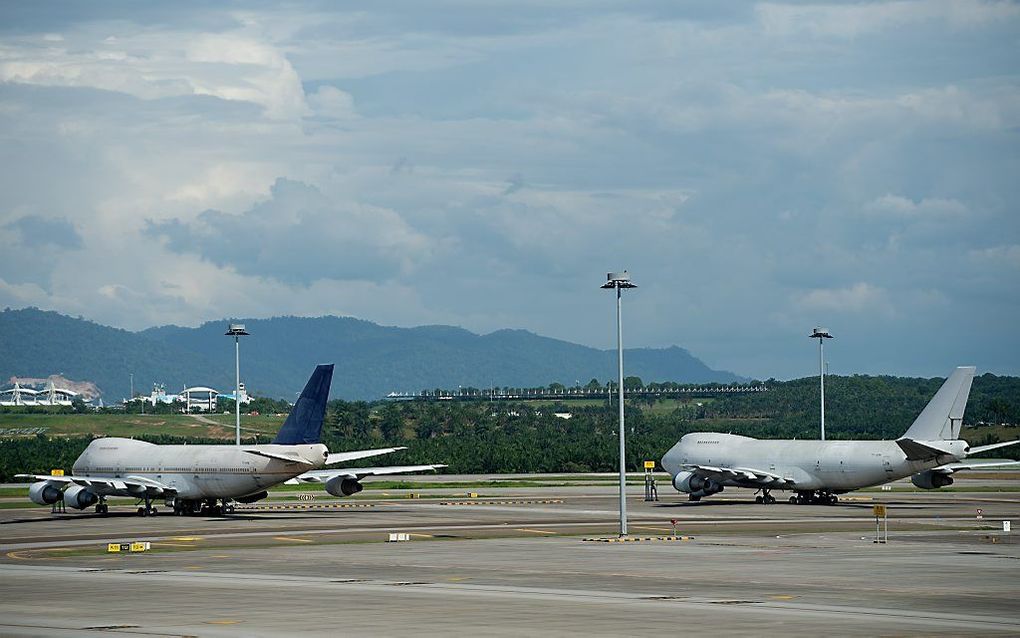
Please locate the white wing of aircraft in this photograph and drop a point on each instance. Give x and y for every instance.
(347, 481)
(343, 457)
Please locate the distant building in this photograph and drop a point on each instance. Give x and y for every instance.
(52, 395)
(195, 399)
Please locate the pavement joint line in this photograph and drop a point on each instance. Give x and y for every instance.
(303, 506)
(542, 502)
(293, 540)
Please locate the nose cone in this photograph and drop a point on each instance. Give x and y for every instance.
(671, 459)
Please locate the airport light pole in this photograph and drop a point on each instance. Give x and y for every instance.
(619, 281)
(821, 334)
(236, 330)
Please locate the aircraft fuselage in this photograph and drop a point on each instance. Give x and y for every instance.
(194, 472)
(833, 466)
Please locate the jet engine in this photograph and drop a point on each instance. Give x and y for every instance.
(931, 480)
(695, 485)
(343, 486)
(44, 493)
(79, 497)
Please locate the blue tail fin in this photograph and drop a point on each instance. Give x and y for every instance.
(304, 423)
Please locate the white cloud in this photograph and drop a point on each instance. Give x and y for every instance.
(899, 206)
(851, 20)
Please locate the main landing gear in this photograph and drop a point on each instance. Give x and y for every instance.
(765, 498)
(102, 507)
(147, 509)
(208, 507)
(806, 497)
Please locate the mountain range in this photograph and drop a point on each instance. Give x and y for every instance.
(371, 360)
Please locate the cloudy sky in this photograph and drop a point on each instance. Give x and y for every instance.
(759, 168)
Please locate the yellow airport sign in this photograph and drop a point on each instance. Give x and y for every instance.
(649, 465)
(879, 510)
(56, 472)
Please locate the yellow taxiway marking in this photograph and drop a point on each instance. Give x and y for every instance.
(187, 538)
(658, 529)
(293, 540)
(193, 567)
(16, 556)
(423, 535)
(220, 556)
(457, 579)
(173, 544)
(535, 531)
(782, 597)
(222, 622)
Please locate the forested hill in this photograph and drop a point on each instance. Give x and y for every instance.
(276, 360)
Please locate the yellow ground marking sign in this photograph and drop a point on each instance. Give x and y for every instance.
(56, 472)
(879, 510)
(128, 547)
(649, 465)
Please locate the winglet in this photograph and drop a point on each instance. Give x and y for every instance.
(304, 423)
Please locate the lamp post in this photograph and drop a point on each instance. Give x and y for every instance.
(236, 330)
(619, 281)
(821, 334)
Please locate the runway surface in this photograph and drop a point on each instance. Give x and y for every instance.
(515, 562)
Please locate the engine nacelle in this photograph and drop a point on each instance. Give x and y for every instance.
(931, 480)
(343, 486)
(44, 493)
(79, 497)
(252, 498)
(695, 485)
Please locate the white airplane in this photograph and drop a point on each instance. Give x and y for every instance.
(208, 479)
(705, 463)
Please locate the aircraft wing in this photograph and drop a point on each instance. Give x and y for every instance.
(342, 457)
(126, 483)
(281, 456)
(744, 474)
(321, 476)
(950, 468)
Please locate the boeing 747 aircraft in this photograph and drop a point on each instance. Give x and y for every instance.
(705, 463)
(208, 479)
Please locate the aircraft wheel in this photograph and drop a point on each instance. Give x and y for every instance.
(759, 500)
(141, 511)
(794, 500)
(694, 498)
(769, 500)
(228, 509)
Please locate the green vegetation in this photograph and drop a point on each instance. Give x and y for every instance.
(528, 437)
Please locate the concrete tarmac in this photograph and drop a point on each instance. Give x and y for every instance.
(516, 563)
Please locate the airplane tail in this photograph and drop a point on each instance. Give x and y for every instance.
(942, 418)
(304, 423)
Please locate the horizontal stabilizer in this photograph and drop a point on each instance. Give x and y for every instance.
(281, 456)
(993, 446)
(917, 451)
